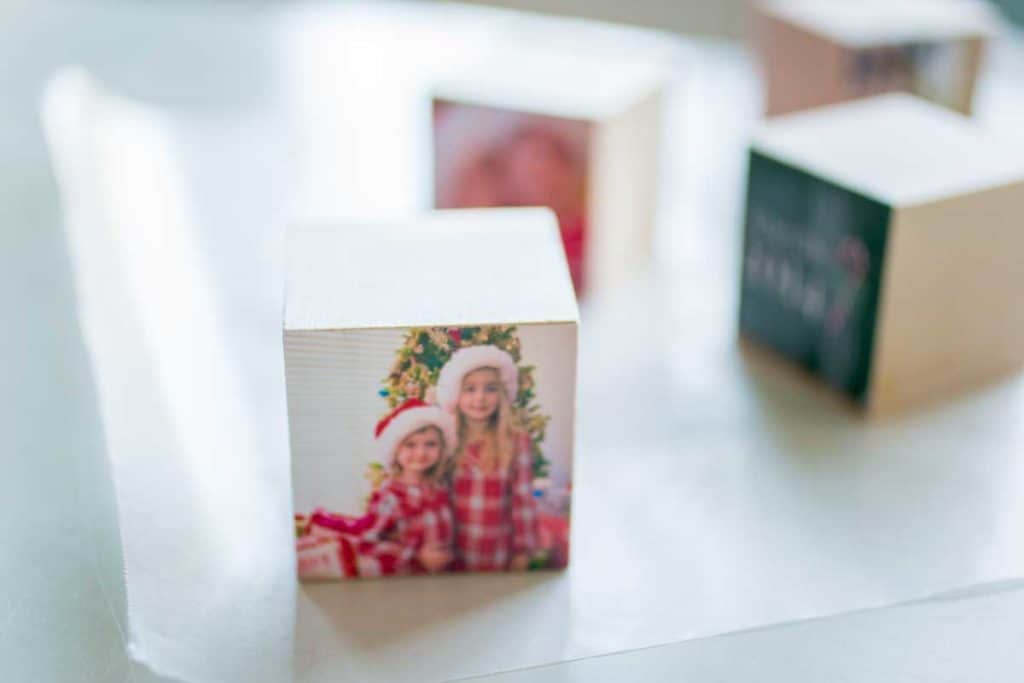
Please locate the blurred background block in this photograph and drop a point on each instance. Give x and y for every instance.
(525, 124)
(883, 251)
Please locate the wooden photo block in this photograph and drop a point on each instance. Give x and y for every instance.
(884, 249)
(523, 125)
(431, 372)
(819, 52)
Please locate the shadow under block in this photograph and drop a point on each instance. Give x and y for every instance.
(819, 52)
(884, 249)
(517, 86)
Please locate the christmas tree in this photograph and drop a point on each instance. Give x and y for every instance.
(426, 349)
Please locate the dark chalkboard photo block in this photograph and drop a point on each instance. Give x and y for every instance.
(884, 249)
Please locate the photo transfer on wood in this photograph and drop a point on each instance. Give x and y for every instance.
(818, 52)
(884, 249)
(431, 373)
(524, 125)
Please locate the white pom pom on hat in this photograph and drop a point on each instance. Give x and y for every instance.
(412, 416)
(465, 361)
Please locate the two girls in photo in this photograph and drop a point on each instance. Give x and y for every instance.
(458, 495)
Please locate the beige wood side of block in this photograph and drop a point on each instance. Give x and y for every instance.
(975, 49)
(952, 309)
(623, 191)
(801, 69)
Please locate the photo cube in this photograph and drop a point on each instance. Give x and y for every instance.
(524, 124)
(431, 371)
(819, 52)
(884, 249)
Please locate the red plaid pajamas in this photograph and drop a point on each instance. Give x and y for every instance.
(400, 519)
(495, 513)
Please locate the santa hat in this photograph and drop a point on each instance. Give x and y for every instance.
(412, 416)
(465, 361)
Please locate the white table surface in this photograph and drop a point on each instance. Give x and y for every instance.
(955, 640)
(63, 622)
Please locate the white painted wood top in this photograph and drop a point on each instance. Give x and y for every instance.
(896, 148)
(474, 266)
(865, 23)
(580, 79)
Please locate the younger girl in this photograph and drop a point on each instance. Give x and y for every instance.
(495, 514)
(407, 527)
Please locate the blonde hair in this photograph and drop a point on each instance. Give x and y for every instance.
(436, 472)
(500, 437)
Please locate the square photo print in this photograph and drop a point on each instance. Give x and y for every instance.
(429, 450)
(493, 157)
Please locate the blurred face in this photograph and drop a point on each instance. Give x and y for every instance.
(478, 184)
(420, 451)
(539, 174)
(479, 397)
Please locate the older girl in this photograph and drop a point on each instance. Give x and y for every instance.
(495, 513)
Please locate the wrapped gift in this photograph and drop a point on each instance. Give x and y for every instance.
(817, 52)
(884, 250)
(554, 534)
(322, 558)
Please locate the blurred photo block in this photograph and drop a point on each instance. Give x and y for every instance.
(431, 373)
(884, 249)
(578, 132)
(818, 52)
